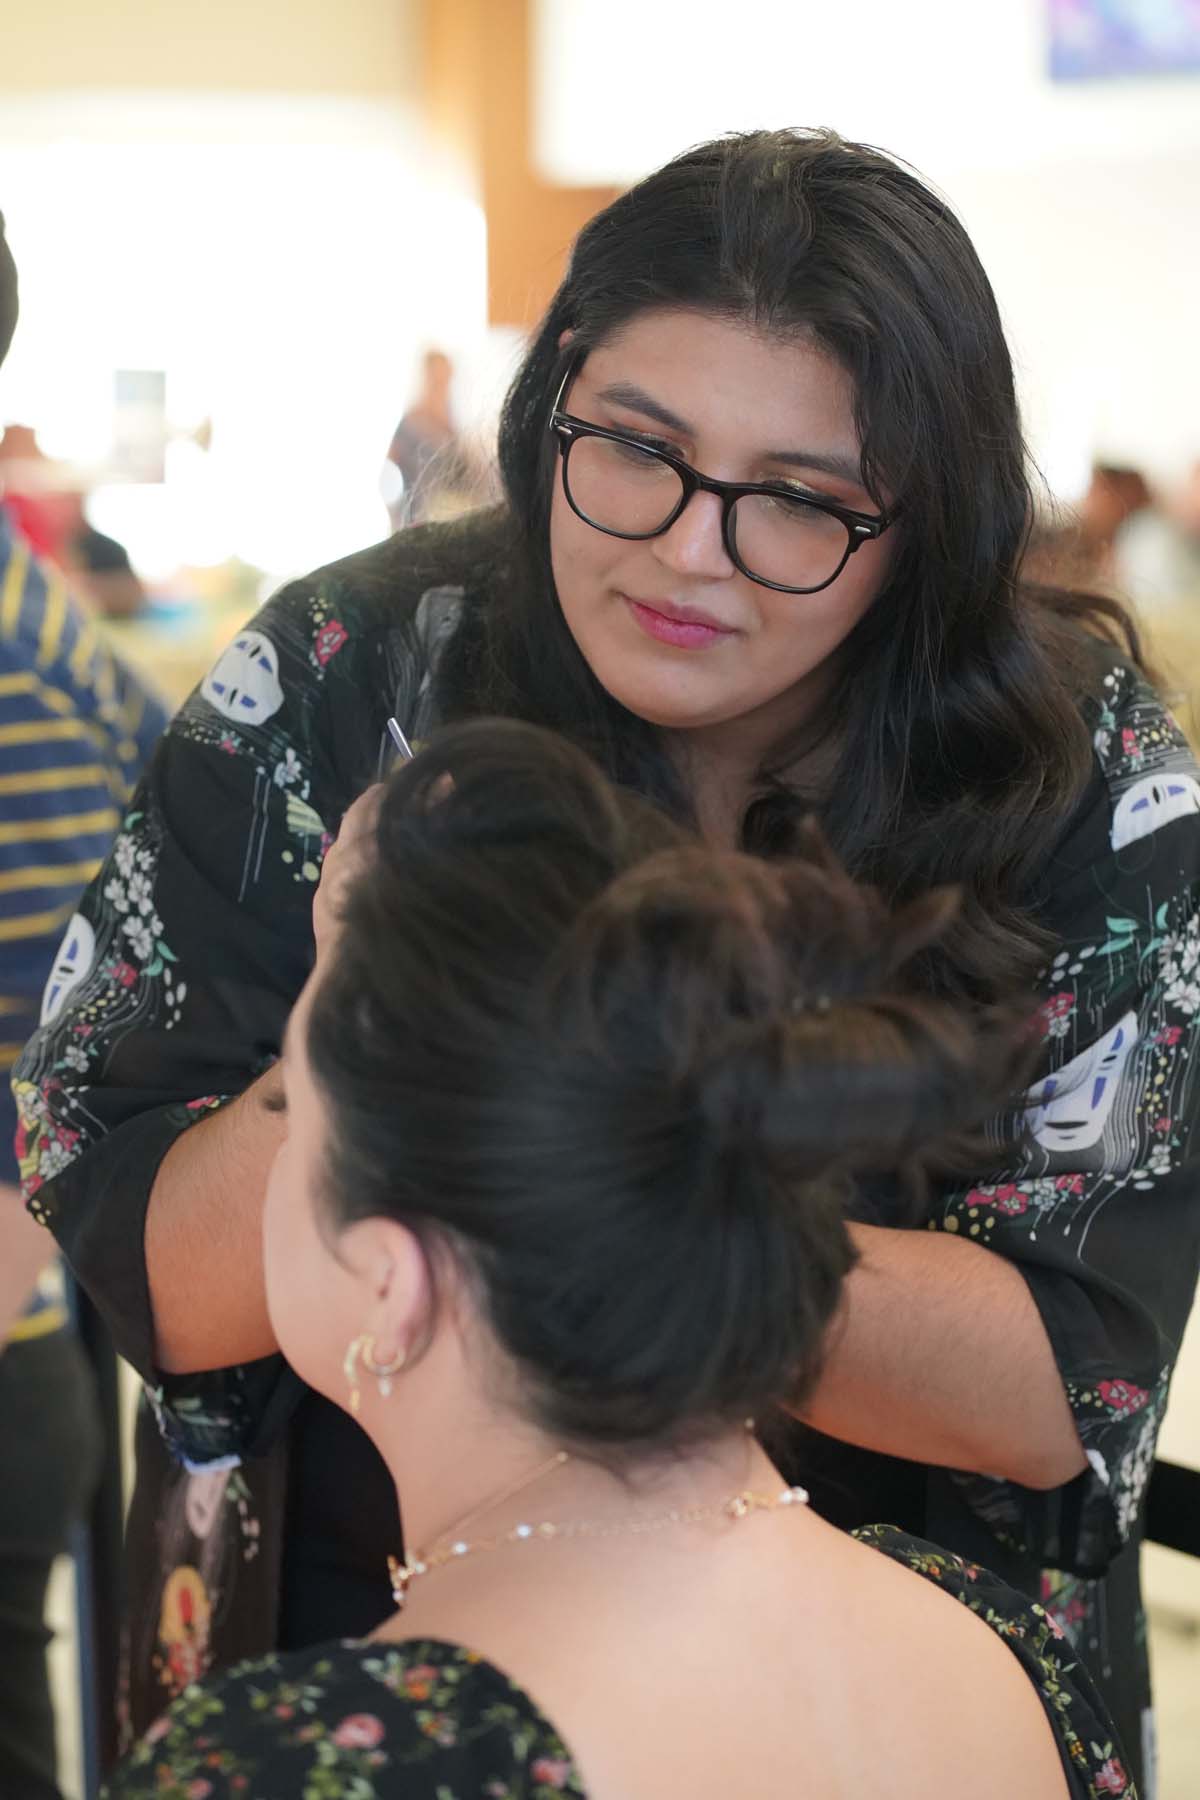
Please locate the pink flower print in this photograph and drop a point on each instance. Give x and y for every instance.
(551, 1771)
(1051, 1621)
(1068, 1184)
(1162, 1126)
(1169, 1035)
(198, 1790)
(158, 1730)
(125, 973)
(1129, 742)
(1010, 1201)
(201, 1105)
(1123, 1399)
(1111, 1779)
(1056, 1013)
(285, 1712)
(360, 1731)
(229, 744)
(330, 639)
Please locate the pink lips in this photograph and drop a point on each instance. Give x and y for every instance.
(681, 626)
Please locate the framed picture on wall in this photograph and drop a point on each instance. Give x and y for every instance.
(1103, 39)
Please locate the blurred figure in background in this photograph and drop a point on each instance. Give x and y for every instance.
(437, 474)
(48, 509)
(76, 729)
(1136, 543)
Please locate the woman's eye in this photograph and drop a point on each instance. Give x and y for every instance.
(794, 501)
(638, 454)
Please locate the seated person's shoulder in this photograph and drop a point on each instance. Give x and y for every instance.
(995, 1687)
(412, 1719)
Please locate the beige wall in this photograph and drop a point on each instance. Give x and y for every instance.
(367, 47)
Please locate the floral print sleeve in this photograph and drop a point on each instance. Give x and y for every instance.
(411, 1721)
(1093, 1762)
(1101, 1210)
(175, 978)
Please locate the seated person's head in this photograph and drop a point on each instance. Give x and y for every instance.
(8, 293)
(576, 1108)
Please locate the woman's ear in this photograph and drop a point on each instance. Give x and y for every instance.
(394, 1272)
(565, 338)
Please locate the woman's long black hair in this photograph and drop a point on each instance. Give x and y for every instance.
(959, 743)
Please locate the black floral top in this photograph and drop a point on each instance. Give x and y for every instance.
(201, 938)
(426, 1720)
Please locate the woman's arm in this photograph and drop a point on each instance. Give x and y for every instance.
(941, 1357)
(204, 1236)
(1026, 1340)
(204, 1222)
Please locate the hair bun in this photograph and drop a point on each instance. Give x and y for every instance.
(789, 1013)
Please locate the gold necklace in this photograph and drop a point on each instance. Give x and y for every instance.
(738, 1506)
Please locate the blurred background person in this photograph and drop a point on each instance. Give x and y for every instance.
(75, 730)
(49, 511)
(1137, 542)
(433, 472)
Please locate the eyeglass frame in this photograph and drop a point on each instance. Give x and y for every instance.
(861, 528)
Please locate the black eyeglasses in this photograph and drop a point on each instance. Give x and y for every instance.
(775, 536)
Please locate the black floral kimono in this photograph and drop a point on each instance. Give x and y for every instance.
(197, 939)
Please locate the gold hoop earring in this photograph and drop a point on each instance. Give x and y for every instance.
(363, 1346)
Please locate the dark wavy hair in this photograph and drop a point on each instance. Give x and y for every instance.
(960, 748)
(626, 1081)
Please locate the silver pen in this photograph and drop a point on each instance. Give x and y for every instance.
(401, 742)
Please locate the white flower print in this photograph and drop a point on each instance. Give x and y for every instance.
(75, 1057)
(1160, 1160)
(53, 1157)
(124, 855)
(1134, 1472)
(140, 894)
(290, 771)
(141, 937)
(1179, 965)
(114, 893)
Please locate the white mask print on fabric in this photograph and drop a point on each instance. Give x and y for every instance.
(72, 961)
(1152, 803)
(1072, 1106)
(243, 685)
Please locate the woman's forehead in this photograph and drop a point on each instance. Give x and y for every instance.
(708, 376)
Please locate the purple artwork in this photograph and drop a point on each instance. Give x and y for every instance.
(1092, 39)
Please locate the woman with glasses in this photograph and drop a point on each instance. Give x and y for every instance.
(575, 1107)
(766, 500)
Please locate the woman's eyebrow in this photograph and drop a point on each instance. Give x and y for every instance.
(624, 393)
(829, 462)
(844, 464)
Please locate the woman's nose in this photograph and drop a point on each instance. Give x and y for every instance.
(695, 543)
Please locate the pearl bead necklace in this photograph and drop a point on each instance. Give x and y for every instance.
(738, 1506)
